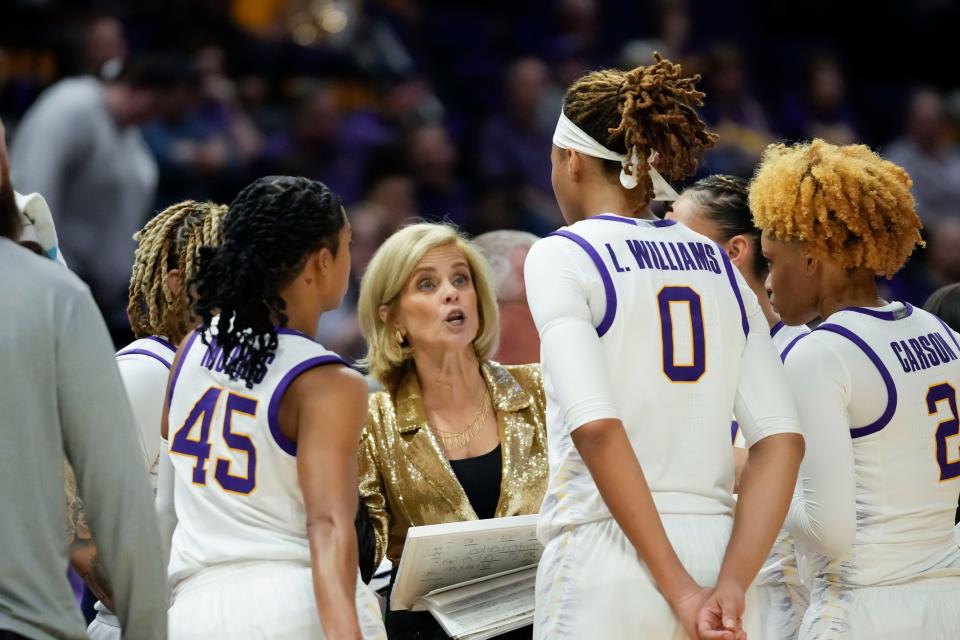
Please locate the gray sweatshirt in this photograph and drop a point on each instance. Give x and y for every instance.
(61, 395)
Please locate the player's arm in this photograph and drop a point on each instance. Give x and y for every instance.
(572, 359)
(768, 419)
(328, 406)
(822, 515)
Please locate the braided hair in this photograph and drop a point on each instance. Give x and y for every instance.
(171, 240)
(271, 228)
(724, 200)
(648, 108)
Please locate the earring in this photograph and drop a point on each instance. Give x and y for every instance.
(398, 337)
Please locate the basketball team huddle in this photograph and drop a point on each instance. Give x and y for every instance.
(730, 433)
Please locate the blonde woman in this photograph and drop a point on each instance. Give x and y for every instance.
(454, 436)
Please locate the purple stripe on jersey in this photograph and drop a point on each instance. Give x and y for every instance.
(664, 223)
(887, 415)
(143, 352)
(287, 331)
(736, 289)
(734, 427)
(949, 331)
(897, 314)
(273, 410)
(791, 345)
(775, 329)
(615, 218)
(176, 372)
(163, 342)
(609, 291)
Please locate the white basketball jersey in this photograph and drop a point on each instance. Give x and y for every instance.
(906, 442)
(144, 368)
(236, 488)
(672, 315)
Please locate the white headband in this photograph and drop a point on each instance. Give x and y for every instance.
(38, 226)
(570, 136)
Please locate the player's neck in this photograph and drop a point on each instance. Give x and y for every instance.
(858, 289)
(608, 200)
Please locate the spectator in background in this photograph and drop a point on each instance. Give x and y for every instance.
(205, 144)
(516, 143)
(930, 158)
(734, 114)
(822, 112)
(939, 264)
(506, 252)
(103, 42)
(314, 147)
(80, 146)
(432, 156)
(62, 395)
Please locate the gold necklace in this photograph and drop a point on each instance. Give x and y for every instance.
(462, 438)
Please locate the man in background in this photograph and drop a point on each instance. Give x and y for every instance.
(80, 146)
(62, 394)
(506, 252)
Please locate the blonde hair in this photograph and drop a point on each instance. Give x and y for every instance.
(845, 202)
(384, 281)
(170, 240)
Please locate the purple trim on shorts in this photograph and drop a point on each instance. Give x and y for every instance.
(144, 352)
(615, 218)
(949, 331)
(734, 427)
(887, 415)
(163, 342)
(273, 410)
(608, 289)
(733, 285)
(775, 329)
(787, 349)
(898, 314)
(176, 372)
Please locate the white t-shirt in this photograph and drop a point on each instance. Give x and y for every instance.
(877, 493)
(649, 322)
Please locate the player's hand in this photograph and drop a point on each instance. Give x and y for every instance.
(721, 615)
(686, 607)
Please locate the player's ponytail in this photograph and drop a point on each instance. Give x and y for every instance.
(648, 109)
(270, 229)
(725, 201)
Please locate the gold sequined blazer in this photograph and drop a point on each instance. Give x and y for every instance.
(406, 480)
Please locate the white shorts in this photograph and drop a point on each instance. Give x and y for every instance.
(782, 595)
(591, 584)
(259, 600)
(105, 626)
(926, 609)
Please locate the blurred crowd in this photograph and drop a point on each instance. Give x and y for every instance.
(438, 110)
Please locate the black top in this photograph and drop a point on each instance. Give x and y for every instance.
(480, 479)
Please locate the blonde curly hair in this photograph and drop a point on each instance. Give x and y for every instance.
(170, 240)
(845, 202)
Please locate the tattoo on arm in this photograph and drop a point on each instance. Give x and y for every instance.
(83, 551)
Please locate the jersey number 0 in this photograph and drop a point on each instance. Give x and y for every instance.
(667, 300)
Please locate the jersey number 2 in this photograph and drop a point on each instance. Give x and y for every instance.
(203, 412)
(667, 299)
(947, 429)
